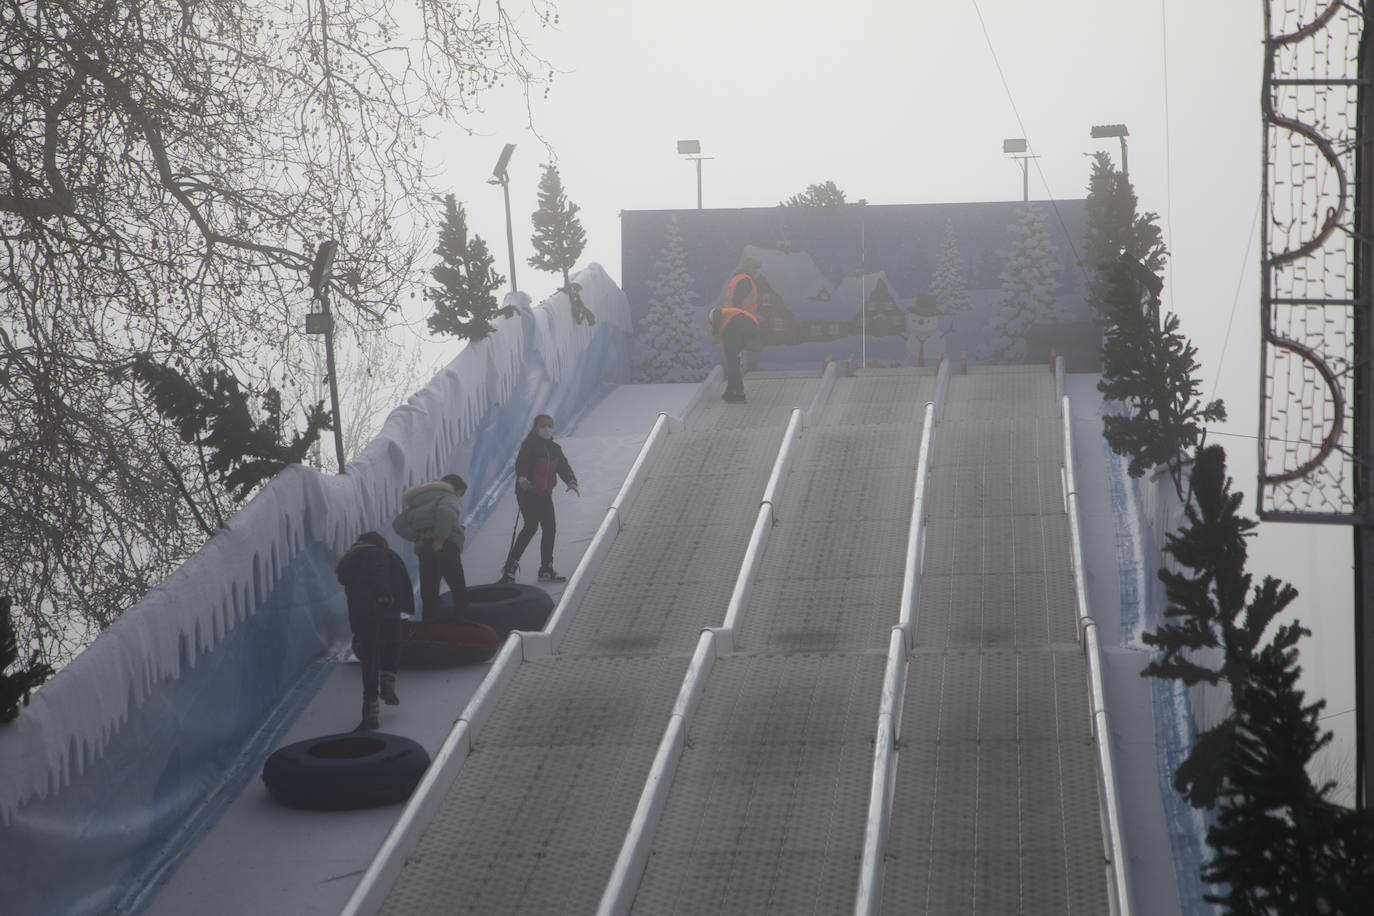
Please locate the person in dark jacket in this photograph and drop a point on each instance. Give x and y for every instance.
(538, 465)
(378, 590)
(430, 520)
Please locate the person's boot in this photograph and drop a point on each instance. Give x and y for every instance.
(389, 689)
(548, 574)
(372, 717)
(508, 572)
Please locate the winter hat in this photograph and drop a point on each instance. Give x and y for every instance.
(453, 480)
(373, 538)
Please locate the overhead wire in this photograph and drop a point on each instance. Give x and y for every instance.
(1016, 113)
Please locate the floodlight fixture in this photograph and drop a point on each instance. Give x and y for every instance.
(500, 171)
(501, 177)
(1017, 148)
(1109, 130)
(692, 150)
(1105, 131)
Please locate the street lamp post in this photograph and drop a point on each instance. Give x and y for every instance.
(322, 322)
(1016, 148)
(502, 177)
(691, 149)
(1099, 131)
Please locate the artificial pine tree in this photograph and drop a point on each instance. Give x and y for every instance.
(947, 284)
(559, 239)
(213, 414)
(672, 338)
(15, 685)
(1154, 371)
(1029, 284)
(463, 302)
(1279, 844)
(1114, 229)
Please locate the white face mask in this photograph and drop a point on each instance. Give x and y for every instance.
(546, 432)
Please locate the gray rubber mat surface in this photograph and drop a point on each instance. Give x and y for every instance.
(536, 816)
(767, 810)
(995, 808)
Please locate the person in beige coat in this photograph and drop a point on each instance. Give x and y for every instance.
(430, 520)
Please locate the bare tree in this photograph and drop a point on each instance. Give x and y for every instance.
(167, 169)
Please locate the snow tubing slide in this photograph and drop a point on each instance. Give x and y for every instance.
(505, 607)
(441, 645)
(345, 771)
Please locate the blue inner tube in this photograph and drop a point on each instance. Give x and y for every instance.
(345, 771)
(506, 607)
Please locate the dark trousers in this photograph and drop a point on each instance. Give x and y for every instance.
(377, 643)
(538, 512)
(447, 563)
(739, 335)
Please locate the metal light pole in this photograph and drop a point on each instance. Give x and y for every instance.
(1099, 131)
(691, 149)
(502, 177)
(1018, 145)
(322, 322)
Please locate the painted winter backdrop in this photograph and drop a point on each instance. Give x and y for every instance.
(902, 285)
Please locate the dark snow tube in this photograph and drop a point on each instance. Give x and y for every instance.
(443, 645)
(509, 607)
(345, 771)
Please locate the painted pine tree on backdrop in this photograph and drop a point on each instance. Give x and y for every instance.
(672, 336)
(947, 284)
(464, 304)
(559, 239)
(1029, 284)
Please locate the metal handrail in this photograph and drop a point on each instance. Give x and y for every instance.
(1112, 838)
(884, 778)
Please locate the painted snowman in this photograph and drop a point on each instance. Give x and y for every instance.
(924, 341)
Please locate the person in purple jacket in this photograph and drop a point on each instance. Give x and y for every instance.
(538, 466)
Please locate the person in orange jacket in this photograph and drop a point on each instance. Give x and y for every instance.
(735, 326)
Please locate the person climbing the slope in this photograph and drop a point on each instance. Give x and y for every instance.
(430, 520)
(378, 590)
(538, 465)
(735, 326)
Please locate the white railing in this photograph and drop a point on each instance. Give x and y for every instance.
(1118, 896)
(884, 777)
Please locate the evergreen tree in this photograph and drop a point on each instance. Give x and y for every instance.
(1279, 844)
(15, 685)
(1029, 284)
(559, 239)
(671, 339)
(463, 302)
(1154, 371)
(824, 196)
(948, 285)
(213, 414)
